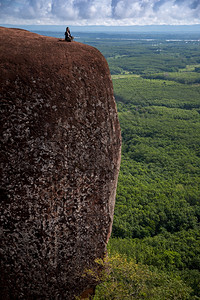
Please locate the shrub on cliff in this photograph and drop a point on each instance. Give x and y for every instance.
(124, 279)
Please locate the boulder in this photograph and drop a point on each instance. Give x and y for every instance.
(60, 161)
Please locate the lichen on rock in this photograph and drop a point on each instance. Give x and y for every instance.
(60, 161)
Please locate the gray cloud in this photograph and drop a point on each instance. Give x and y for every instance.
(157, 5)
(24, 9)
(113, 12)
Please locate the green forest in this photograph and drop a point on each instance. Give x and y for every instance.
(154, 251)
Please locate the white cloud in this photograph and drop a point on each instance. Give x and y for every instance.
(64, 10)
(105, 12)
(128, 9)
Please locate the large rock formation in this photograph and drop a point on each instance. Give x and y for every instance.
(60, 162)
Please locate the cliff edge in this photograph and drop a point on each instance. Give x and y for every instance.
(60, 162)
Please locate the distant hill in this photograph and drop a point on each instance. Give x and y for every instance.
(136, 28)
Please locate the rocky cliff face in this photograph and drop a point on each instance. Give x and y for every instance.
(60, 162)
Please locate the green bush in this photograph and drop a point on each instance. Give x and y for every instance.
(124, 279)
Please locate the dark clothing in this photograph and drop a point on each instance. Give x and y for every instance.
(68, 36)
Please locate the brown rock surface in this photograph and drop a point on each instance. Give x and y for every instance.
(60, 162)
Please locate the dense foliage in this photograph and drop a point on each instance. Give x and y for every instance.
(157, 213)
(123, 278)
(159, 179)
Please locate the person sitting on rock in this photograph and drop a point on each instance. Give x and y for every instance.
(68, 36)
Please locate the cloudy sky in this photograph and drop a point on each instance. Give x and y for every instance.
(100, 12)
